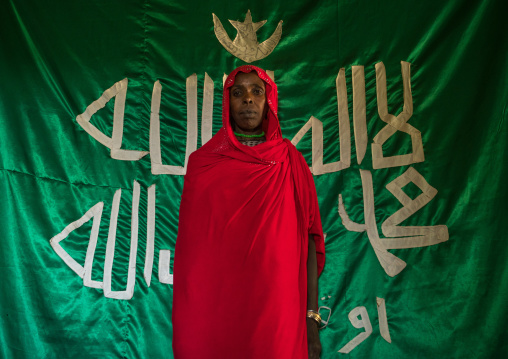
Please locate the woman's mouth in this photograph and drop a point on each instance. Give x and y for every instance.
(248, 113)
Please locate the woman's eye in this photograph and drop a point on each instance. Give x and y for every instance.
(236, 93)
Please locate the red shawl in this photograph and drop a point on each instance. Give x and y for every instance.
(240, 270)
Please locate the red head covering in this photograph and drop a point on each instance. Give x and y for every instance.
(271, 123)
(240, 269)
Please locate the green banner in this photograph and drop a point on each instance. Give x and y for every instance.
(399, 108)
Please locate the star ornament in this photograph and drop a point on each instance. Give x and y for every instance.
(245, 45)
(246, 30)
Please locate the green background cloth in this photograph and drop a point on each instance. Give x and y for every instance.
(57, 57)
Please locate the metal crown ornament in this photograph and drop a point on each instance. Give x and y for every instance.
(245, 45)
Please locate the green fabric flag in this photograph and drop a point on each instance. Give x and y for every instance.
(399, 107)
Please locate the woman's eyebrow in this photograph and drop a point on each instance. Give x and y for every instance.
(243, 86)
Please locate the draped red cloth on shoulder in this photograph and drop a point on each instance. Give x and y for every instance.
(240, 270)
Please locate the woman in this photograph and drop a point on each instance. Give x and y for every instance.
(250, 244)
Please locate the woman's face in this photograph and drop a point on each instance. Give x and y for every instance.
(247, 102)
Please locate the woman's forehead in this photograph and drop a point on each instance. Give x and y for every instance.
(248, 79)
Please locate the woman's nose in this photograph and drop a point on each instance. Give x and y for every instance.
(247, 98)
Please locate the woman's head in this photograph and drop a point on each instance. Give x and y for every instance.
(247, 103)
(250, 102)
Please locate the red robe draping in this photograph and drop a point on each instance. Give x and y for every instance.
(240, 269)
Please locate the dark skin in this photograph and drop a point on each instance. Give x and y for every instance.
(248, 108)
(247, 103)
(312, 293)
